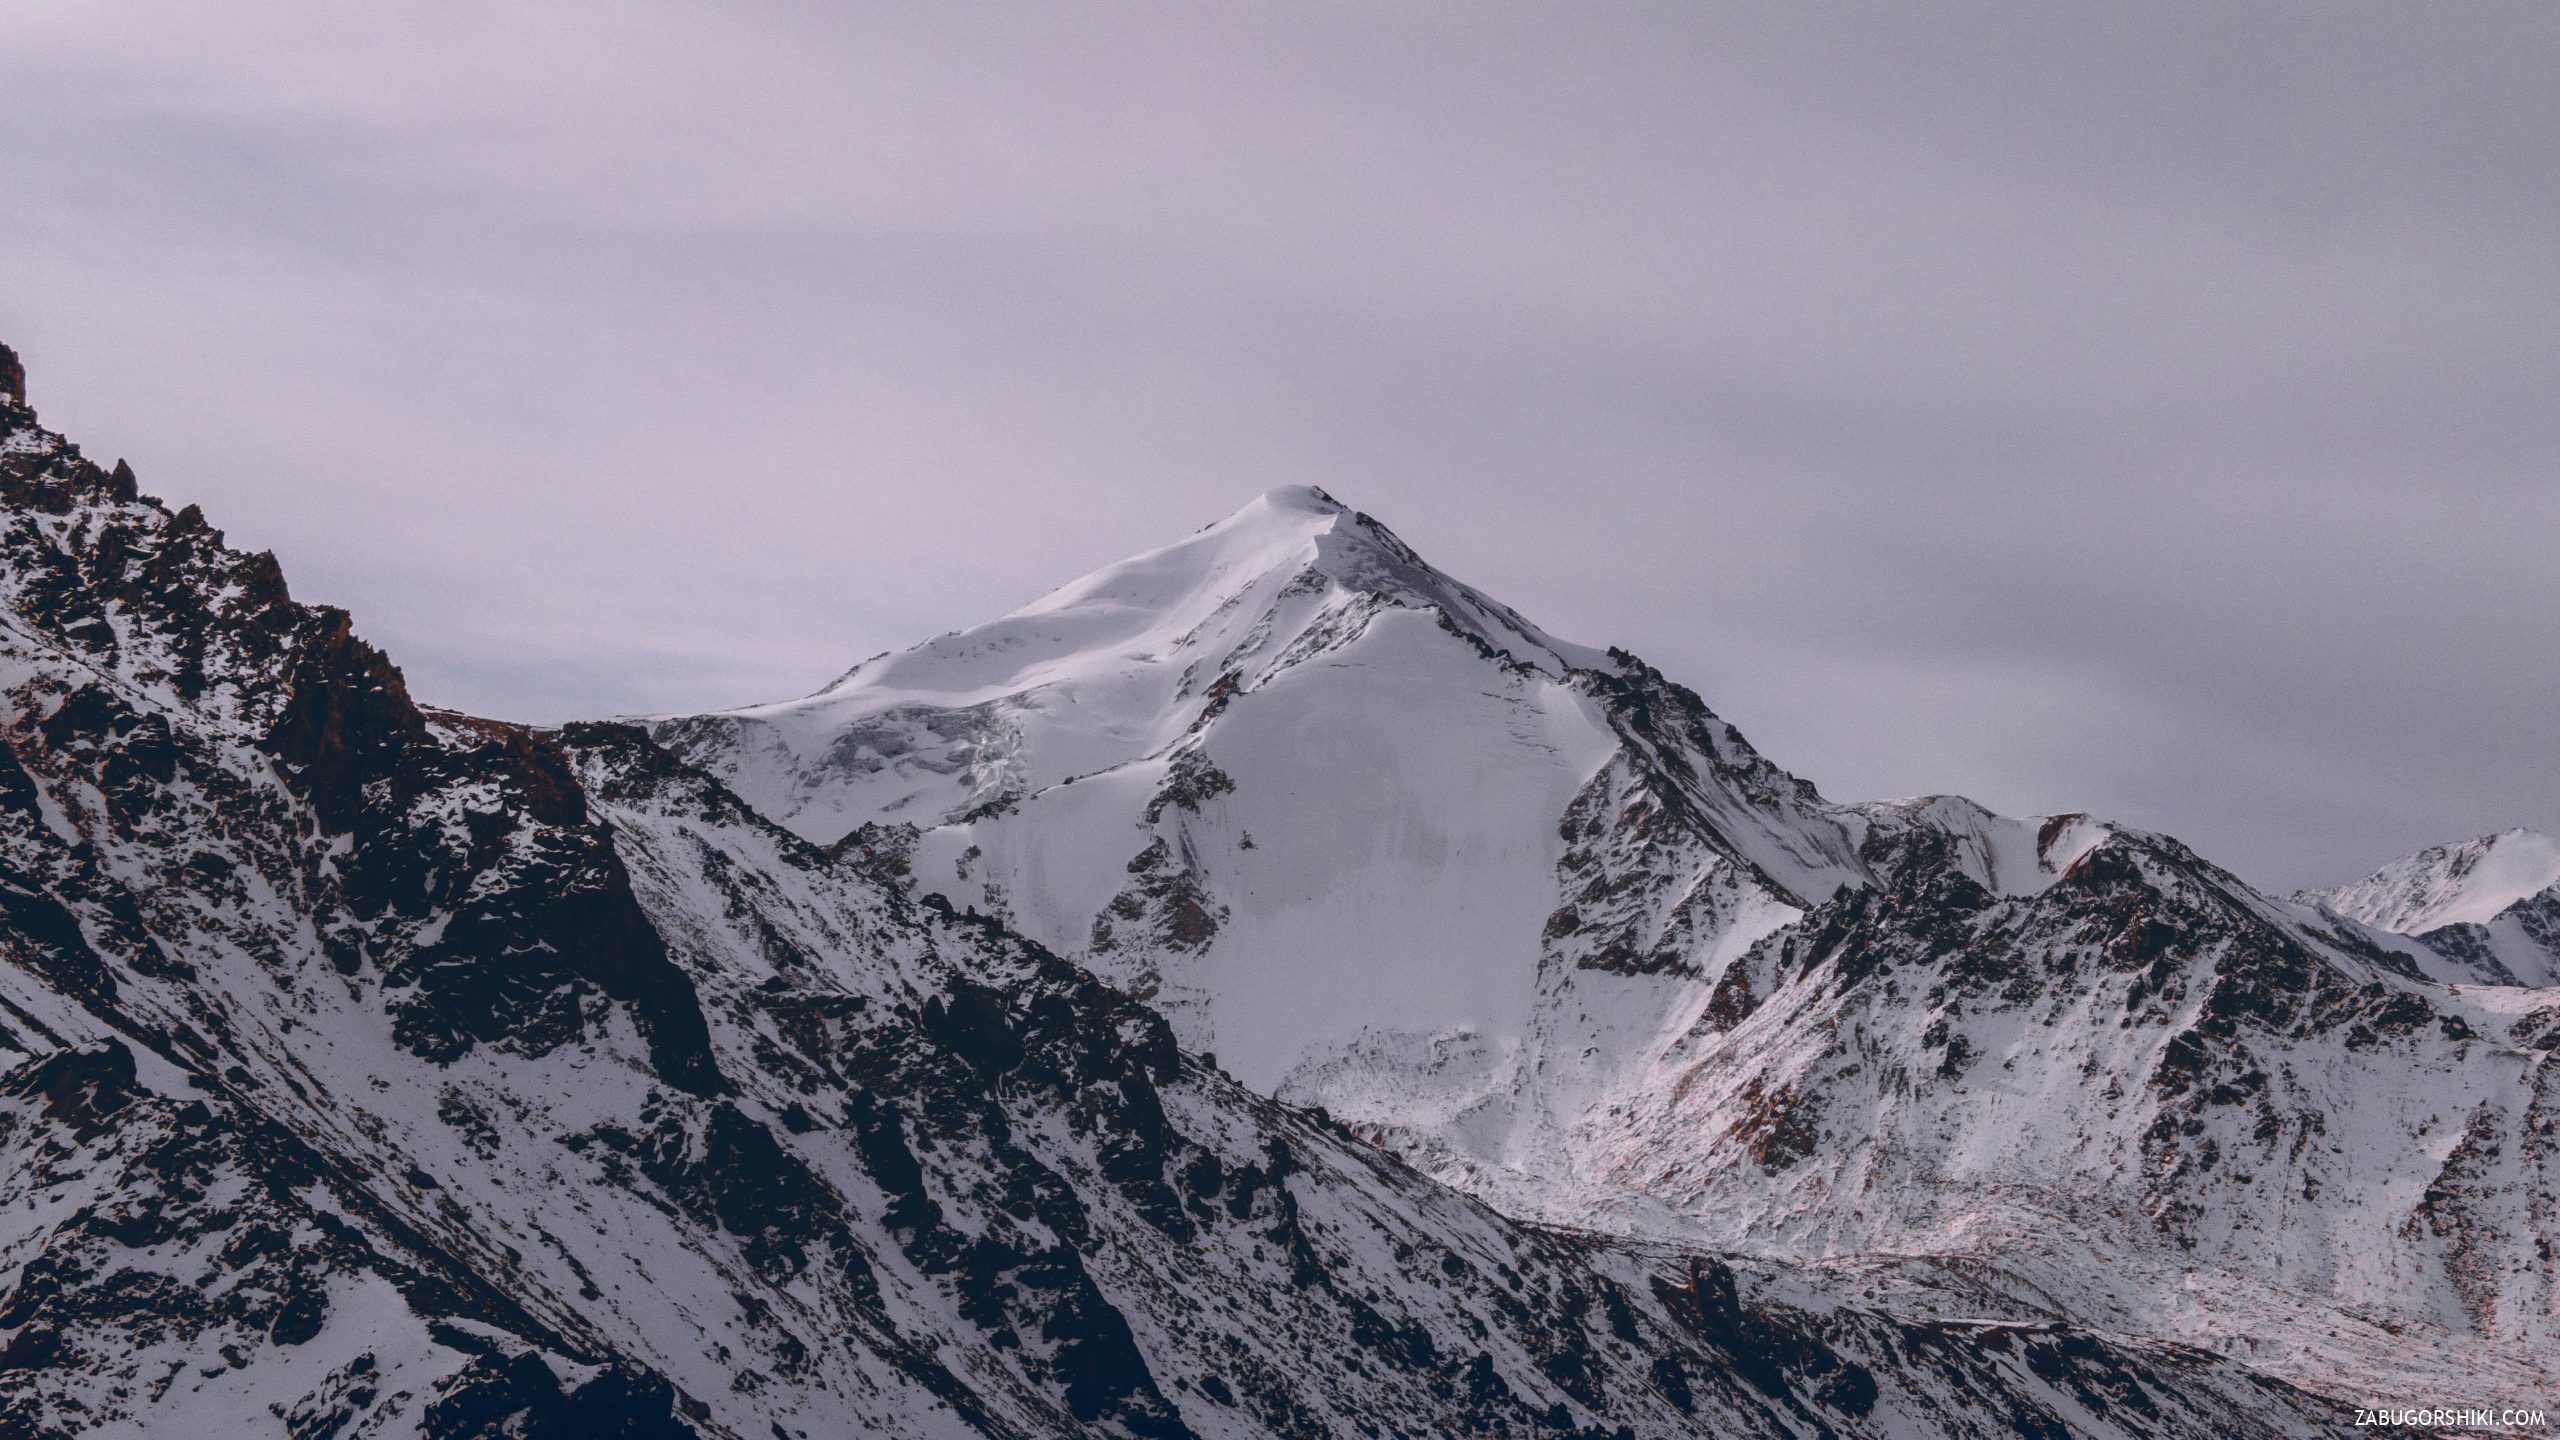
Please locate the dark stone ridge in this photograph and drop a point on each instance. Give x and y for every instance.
(81, 1089)
(519, 1396)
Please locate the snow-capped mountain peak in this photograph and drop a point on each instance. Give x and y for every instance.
(1133, 610)
(2491, 905)
(1315, 798)
(2469, 883)
(1167, 602)
(1534, 917)
(1106, 669)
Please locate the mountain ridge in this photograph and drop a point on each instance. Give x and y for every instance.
(1559, 936)
(374, 1071)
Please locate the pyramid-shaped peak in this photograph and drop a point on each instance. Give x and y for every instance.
(1229, 585)
(1281, 542)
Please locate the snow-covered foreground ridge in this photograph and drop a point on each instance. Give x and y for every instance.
(1533, 917)
(368, 1070)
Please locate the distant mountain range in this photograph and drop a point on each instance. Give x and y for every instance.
(2489, 907)
(1266, 988)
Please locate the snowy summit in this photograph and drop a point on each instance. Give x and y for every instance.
(2493, 902)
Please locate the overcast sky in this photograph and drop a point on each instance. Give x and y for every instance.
(2147, 409)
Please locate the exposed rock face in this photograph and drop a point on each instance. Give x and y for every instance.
(367, 1070)
(2143, 1061)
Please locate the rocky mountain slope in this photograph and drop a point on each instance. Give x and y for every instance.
(1535, 918)
(2488, 909)
(370, 1070)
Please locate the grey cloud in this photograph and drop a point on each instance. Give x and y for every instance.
(2143, 410)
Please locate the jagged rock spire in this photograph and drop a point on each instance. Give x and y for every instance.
(13, 377)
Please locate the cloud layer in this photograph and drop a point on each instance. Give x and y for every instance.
(2139, 410)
